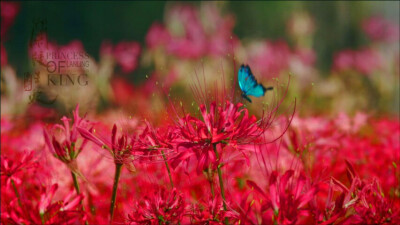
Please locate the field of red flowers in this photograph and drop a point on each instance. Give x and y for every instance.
(82, 142)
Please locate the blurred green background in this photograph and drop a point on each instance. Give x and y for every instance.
(337, 23)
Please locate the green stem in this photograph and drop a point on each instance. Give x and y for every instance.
(118, 168)
(76, 184)
(16, 192)
(169, 171)
(221, 183)
(78, 190)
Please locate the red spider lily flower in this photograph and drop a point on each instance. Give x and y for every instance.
(373, 207)
(65, 149)
(228, 125)
(66, 211)
(286, 198)
(120, 148)
(156, 142)
(125, 148)
(212, 212)
(159, 137)
(362, 203)
(163, 207)
(10, 167)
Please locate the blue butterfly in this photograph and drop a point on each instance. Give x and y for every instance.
(249, 85)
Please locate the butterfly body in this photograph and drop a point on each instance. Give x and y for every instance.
(249, 85)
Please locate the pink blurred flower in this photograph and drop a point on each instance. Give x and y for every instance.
(343, 60)
(127, 55)
(219, 30)
(364, 61)
(186, 35)
(367, 60)
(55, 57)
(9, 11)
(379, 29)
(157, 35)
(192, 43)
(270, 58)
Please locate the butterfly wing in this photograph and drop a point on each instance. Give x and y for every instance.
(257, 90)
(246, 79)
(248, 83)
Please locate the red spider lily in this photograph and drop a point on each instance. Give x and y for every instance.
(159, 137)
(155, 139)
(228, 125)
(65, 149)
(327, 143)
(374, 208)
(120, 148)
(10, 167)
(163, 207)
(213, 212)
(125, 148)
(66, 211)
(362, 203)
(286, 199)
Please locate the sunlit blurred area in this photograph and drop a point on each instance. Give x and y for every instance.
(140, 56)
